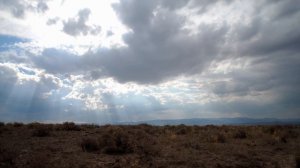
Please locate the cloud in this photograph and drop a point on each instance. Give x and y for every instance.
(38, 98)
(7, 81)
(18, 8)
(77, 26)
(109, 33)
(158, 48)
(57, 61)
(52, 21)
(284, 9)
(182, 58)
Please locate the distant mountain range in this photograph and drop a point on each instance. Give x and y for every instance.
(218, 121)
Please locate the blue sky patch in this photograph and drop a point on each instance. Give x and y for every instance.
(6, 41)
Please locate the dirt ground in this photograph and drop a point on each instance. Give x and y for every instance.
(90, 146)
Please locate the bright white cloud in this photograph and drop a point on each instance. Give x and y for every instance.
(34, 25)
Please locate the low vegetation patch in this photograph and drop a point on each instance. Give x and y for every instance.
(69, 126)
(34, 125)
(71, 145)
(41, 131)
(297, 160)
(7, 157)
(240, 134)
(17, 124)
(89, 144)
(116, 143)
(217, 138)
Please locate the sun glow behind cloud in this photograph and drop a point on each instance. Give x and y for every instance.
(35, 26)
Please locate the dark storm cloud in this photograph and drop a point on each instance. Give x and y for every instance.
(57, 61)
(77, 26)
(159, 47)
(160, 56)
(8, 78)
(204, 5)
(283, 9)
(262, 38)
(274, 76)
(272, 39)
(18, 8)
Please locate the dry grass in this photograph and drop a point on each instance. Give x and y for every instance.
(71, 145)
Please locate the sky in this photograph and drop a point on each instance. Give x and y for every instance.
(135, 60)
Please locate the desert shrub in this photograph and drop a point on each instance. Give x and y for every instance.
(89, 144)
(148, 128)
(69, 126)
(192, 143)
(275, 140)
(34, 125)
(143, 125)
(210, 127)
(107, 126)
(182, 130)
(297, 160)
(7, 157)
(221, 138)
(17, 124)
(272, 130)
(240, 134)
(280, 139)
(115, 143)
(246, 160)
(41, 131)
(144, 143)
(89, 126)
(9, 124)
(217, 138)
(291, 134)
(39, 160)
